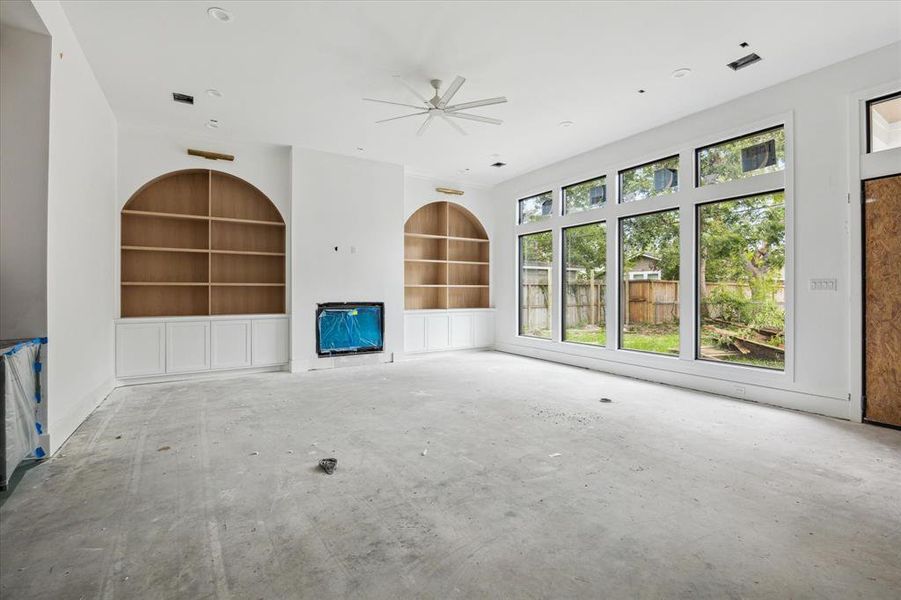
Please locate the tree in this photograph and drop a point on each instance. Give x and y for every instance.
(743, 240)
(656, 234)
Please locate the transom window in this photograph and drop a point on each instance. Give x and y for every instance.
(755, 154)
(585, 196)
(649, 180)
(884, 123)
(536, 208)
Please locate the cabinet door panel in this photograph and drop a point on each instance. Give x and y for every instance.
(187, 346)
(230, 344)
(270, 342)
(140, 349)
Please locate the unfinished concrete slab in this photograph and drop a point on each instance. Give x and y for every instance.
(474, 475)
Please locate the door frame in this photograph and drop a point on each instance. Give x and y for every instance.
(861, 167)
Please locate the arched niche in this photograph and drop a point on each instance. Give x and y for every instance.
(201, 242)
(446, 259)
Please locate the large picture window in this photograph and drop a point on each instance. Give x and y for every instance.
(535, 264)
(741, 277)
(755, 154)
(584, 277)
(649, 290)
(647, 181)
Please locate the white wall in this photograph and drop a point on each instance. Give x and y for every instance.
(81, 225)
(24, 142)
(358, 206)
(146, 153)
(818, 103)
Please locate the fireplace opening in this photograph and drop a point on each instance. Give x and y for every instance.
(349, 328)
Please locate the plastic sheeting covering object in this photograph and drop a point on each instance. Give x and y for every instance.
(20, 368)
(349, 329)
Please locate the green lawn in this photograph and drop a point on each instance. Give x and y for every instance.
(663, 340)
(587, 336)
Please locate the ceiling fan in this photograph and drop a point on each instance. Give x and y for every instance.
(439, 106)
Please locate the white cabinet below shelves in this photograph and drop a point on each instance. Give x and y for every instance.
(140, 349)
(270, 342)
(154, 348)
(437, 330)
(187, 346)
(230, 344)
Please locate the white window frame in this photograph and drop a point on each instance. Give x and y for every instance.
(686, 199)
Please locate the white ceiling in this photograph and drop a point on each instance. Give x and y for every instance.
(294, 73)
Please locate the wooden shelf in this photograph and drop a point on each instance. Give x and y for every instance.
(165, 215)
(248, 221)
(246, 252)
(450, 262)
(201, 242)
(178, 283)
(446, 254)
(431, 236)
(168, 215)
(215, 284)
(157, 249)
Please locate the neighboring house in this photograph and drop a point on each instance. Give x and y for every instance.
(644, 266)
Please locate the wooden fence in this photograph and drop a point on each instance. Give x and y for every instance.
(650, 301)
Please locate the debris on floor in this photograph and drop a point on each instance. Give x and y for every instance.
(426, 451)
(163, 448)
(254, 453)
(329, 465)
(555, 455)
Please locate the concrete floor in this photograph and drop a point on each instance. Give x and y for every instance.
(530, 488)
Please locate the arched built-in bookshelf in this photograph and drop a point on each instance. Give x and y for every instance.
(201, 242)
(446, 259)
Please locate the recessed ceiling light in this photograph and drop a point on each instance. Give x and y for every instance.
(565, 123)
(499, 164)
(359, 148)
(214, 93)
(641, 91)
(680, 73)
(212, 124)
(219, 14)
(744, 44)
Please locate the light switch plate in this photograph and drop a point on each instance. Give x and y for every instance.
(823, 285)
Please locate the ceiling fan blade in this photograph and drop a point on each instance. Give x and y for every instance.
(390, 102)
(449, 92)
(476, 104)
(469, 117)
(412, 90)
(459, 129)
(403, 116)
(425, 125)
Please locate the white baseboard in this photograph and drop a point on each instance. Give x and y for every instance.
(199, 376)
(822, 405)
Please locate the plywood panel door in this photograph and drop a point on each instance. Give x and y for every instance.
(882, 300)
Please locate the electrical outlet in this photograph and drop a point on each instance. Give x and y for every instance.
(823, 285)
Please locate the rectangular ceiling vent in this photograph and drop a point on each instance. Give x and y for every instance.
(499, 164)
(744, 61)
(183, 98)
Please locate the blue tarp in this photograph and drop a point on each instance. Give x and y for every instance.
(350, 329)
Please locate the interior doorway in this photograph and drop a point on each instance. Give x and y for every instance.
(882, 300)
